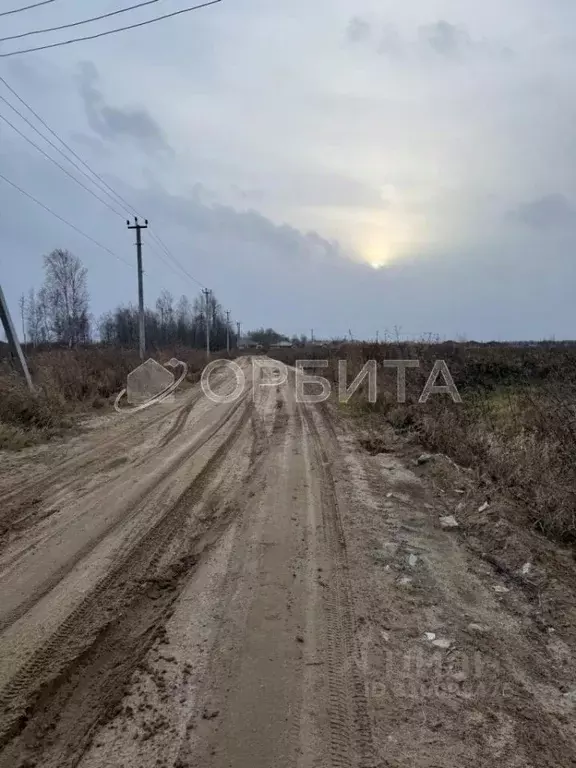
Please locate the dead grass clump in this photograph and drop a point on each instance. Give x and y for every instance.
(67, 382)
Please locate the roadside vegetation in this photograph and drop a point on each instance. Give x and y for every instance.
(78, 363)
(516, 426)
(71, 383)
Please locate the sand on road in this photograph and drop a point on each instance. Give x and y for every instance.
(242, 584)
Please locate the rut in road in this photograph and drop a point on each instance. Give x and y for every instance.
(97, 650)
(231, 556)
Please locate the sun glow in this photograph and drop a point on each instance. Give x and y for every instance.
(376, 254)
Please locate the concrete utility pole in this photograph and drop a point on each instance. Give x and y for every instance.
(207, 292)
(13, 340)
(312, 335)
(238, 329)
(377, 337)
(141, 332)
(228, 331)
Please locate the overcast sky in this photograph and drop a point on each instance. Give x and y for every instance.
(336, 164)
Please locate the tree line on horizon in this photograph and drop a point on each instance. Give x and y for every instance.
(59, 313)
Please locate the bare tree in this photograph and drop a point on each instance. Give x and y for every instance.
(37, 322)
(165, 310)
(67, 297)
(22, 305)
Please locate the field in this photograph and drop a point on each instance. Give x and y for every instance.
(515, 427)
(69, 384)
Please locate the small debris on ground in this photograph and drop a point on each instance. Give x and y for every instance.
(442, 642)
(424, 458)
(526, 568)
(500, 589)
(430, 636)
(449, 521)
(412, 560)
(477, 628)
(483, 507)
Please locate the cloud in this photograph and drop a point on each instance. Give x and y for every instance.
(551, 212)
(133, 123)
(441, 38)
(445, 38)
(358, 30)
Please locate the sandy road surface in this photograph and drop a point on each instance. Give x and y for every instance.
(185, 564)
(245, 585)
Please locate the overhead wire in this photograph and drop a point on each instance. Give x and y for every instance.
(111, 31)
(100, 184)
(59, 165)
(77, 23)
(65, 221)
(119, 199)
(51, 143)
(107, 189)
(26, 7)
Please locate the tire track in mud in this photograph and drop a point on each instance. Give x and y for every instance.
(33, 494)
(129, 513)
(92, 456)
(180, 421)
(92, 650)
(351, 743)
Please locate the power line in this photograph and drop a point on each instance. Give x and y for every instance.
(112, 31)
(26, 7)
(77, 23)
(112, 194)
(65, 221)
(176, 261)
(58, 165)
(51, 143)
(118, 197)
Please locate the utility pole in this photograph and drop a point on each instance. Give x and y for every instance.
(312, 335)
(238, 329)
(141, 333)
(207, 292)
(377, 337)
(228, 331)
(13, 340)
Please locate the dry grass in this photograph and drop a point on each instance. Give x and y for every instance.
(516, 427)
(68, 383)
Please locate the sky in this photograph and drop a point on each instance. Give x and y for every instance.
(343, 165)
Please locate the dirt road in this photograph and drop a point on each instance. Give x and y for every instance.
(245, 585)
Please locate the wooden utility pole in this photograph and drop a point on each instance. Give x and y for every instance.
(12, 337)
(141, 332)
(207, 292)
(228, 331)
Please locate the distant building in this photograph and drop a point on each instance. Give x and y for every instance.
(281, 345)
(247, 343)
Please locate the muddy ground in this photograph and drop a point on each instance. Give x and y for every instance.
(267, 583)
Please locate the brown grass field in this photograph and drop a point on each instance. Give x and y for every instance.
(515, 428)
